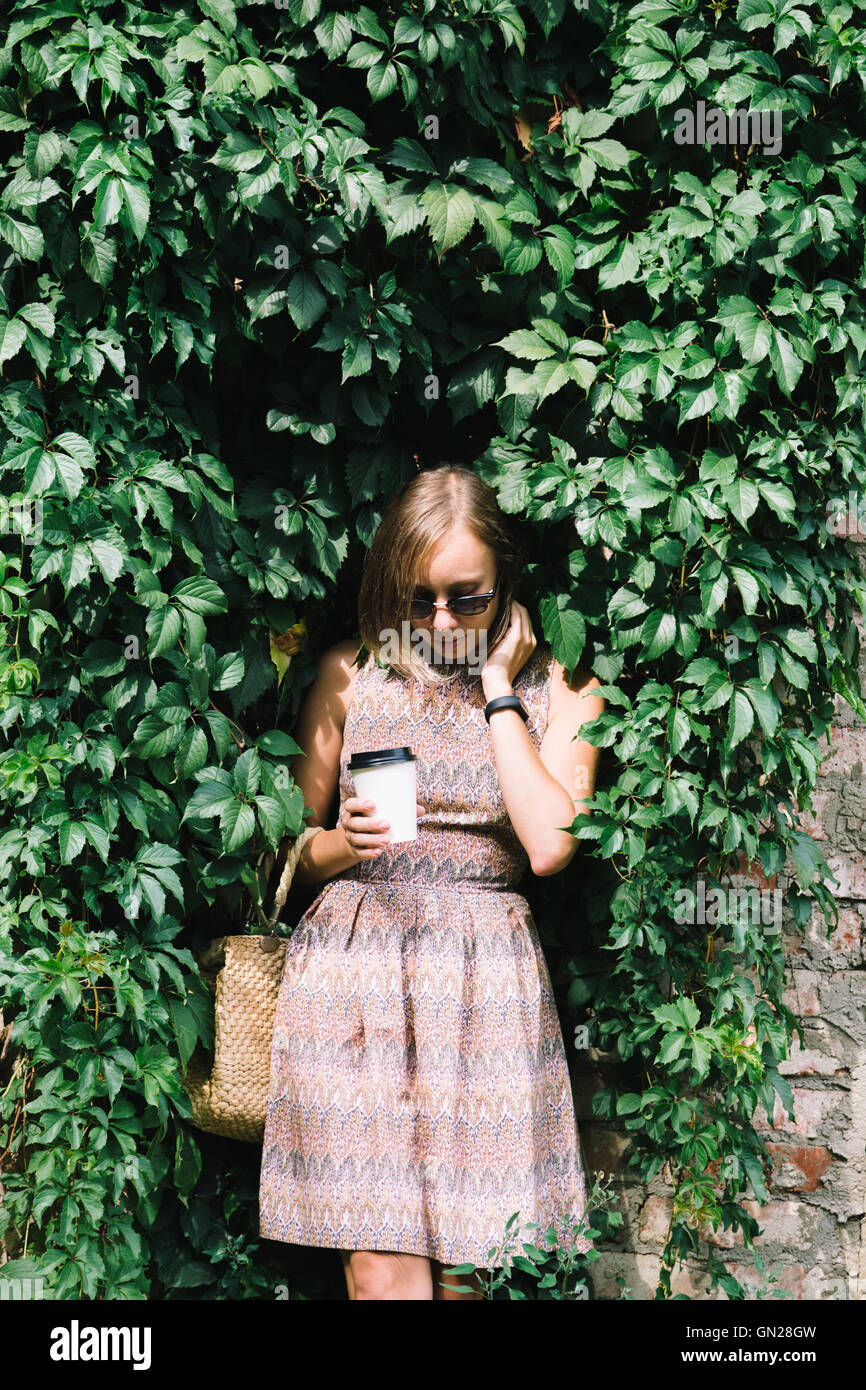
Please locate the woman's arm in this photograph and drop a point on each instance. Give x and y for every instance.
(317, 770)
(546, 789)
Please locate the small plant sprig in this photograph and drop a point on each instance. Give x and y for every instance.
(559, 1271)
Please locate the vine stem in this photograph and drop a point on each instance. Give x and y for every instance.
(15, 1118)
(272, 153)
(15, 1071)
(241, 744)
(664, 1264)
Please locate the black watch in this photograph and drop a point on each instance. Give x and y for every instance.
(505, 702)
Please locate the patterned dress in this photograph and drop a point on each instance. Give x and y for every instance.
(419, 1088)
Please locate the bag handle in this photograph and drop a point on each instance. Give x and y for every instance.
(288, 873)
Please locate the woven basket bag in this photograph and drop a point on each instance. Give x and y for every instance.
(230, 1096)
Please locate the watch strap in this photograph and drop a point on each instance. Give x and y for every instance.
(505, 702)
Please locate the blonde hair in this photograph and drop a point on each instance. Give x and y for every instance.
(416, 519)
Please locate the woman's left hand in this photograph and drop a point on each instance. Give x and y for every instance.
(512, 653)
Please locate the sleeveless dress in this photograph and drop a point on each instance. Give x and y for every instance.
(419, 1091)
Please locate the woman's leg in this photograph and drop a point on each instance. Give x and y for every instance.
(346, 1257)
(448, 1293)
(386, 1274)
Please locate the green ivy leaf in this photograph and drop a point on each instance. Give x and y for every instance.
(564, 628)
(450, 213)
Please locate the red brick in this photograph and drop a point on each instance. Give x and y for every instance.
(813, 824)
(846, 751)
(851, 874)
(655, 1220)
(811, 1061)
(785, 1222)
(811, 1105)
(750, 874)
(811, 1161)
(802, 996)
(845, 944)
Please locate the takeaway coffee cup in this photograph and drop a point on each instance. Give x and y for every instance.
(387, 777)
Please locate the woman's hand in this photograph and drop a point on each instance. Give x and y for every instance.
(365, 834)
(511, 654)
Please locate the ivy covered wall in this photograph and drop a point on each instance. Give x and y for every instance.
(256, 262)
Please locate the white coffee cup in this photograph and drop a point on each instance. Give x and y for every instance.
(387, 777)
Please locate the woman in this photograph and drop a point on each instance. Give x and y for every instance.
(419, 1088)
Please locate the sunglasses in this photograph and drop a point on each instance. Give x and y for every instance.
(466, 606)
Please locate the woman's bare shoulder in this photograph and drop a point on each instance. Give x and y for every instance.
(337, 670)
(342, 654)
(581, 685)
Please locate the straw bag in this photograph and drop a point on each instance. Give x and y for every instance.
(230, 1097)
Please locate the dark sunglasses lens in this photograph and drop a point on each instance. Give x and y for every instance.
(420, 608)
(467, 607)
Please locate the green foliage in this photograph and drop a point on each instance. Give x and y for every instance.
(558, 1271)
(253, 259)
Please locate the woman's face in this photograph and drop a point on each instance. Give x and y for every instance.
(460, 565)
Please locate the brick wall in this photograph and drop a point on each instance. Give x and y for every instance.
(813, 1230)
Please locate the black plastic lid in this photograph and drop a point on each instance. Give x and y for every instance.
(379, 757)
